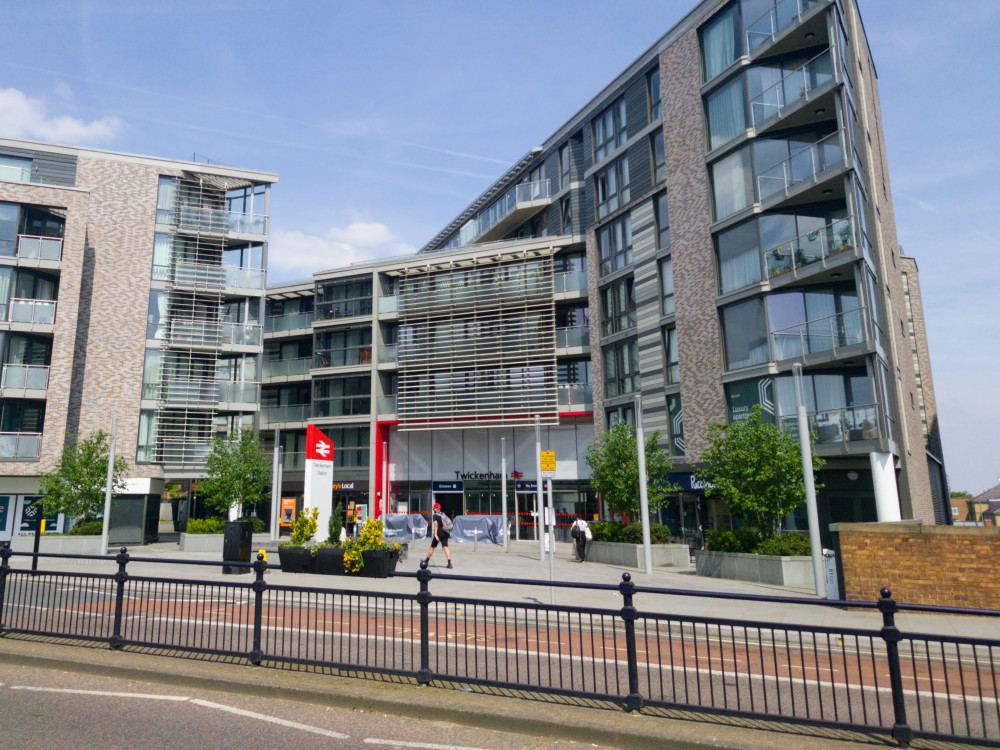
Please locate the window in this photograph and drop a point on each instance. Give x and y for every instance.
(671, 363)
(732, 183)
(744, 331)
(726, 112)
(573, 371)
(662, 217)
(659, 160)
(653, 94)
(345, 347)
(720, 42)
(565, 166)
(621, 368)
(614, 245)
(166, 200)
(618, 306)
(611, 187)
(609, 129)
(350, 445)
(624, 413)
(344, 299)
(739, 256)
(15, 169)
(9, 224)
(566, 214)
(342, 397)
(666, 286)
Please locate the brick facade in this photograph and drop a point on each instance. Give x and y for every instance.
(952, 566)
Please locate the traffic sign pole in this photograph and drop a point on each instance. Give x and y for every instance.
(539, 501)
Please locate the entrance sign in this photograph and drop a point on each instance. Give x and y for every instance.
(455, 486)
(548, 464)
(319, 477)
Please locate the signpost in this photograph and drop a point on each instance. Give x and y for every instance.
(547, 462)
(503, 493)
(539, 501)
(319, 478)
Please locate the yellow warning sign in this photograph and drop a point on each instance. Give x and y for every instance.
(548, 464)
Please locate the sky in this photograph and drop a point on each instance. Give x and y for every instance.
(385, 119)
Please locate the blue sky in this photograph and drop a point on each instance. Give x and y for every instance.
(385, 119)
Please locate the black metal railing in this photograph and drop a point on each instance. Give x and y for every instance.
(884, 680)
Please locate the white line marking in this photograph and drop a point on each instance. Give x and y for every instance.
(270, 719)
(106, 693)
(426, 745)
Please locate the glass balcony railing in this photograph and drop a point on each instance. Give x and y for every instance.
(15, 174)
(241, 334)
(777, 18)
(570, 281)
(834, 238)
(30, 246)
(388, 304)
(286, 367)
(291, 322)
(501, 209)
(213, 277)
(270, 415)
(576, 395)
(31, 311)
(15, 445)
(214, 221)
(386, 404)
(794, 87)
(32, 377)
(801, 166)
(387, 353)
(819, 335)
(848, 424)
(238, 393)
(569, 337)
(208, 333)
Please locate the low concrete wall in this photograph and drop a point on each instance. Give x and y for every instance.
(63, 545)
(213, 542)
(950, 566)
(630, 555)
(745, 566)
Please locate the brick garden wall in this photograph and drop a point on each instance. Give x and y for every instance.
(953, 566)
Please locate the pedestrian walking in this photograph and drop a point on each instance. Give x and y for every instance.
(442, 532)
(581, 533)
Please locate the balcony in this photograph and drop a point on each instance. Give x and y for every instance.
(518, 205)
(210, 334)
(344, 357)
(835, 240)
(386, 405)
(802, 167)
(387, 354)
(573, 338)
(388, 305)
(841, 426)
(214, 221)
(231, 392)
(775, 20)
(25, 377)
(32, 311)
(576, 397)
(820, 336)
(287, 367)
(570, 282)
(277, 415)
(293, 322)
(32, 247)
(20, 445)
(798, 86)
(15, 174)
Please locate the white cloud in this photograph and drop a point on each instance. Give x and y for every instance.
(24, 117)
(296, 255)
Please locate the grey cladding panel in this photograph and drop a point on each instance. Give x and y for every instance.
(47, 168)
(640, 178)
(636, 107)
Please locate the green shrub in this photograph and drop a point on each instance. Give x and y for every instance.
(785, 544)
(304, 527)
(336, 524)
(628, 533)
(731, 540)
(88, 528)
(215, 525)
(258, 523)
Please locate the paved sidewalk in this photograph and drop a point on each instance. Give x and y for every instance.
(522, 563)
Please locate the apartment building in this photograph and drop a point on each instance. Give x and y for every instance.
(727, 196)
(131, 294)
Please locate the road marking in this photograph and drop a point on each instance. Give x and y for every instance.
(106, 693)
(426, 745)
(270, 719)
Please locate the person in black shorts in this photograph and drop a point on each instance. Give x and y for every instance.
(440, 535)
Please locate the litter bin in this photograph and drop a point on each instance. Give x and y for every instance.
(236, 542)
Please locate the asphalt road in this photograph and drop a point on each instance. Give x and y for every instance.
(42, 709)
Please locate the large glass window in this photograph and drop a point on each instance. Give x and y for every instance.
(340, 348)
(667, 286)
(720, 42)
(732, 183)
(166, 200)
(653, 94)
(350, 445)
(621, 368)
(670, 359)
(618, 306)
(570, 371)
(614, 245)
(566, 215)
(609, 130)
(9, 218)
(739, 256)
(726, 112)
(815, 320)
(611, 187)
(342, 397)
(745, 333)
(156, 321)
(565, 165)
(659, 159)
(344, 299)
(662, 216)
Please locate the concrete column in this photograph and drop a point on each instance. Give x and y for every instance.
(886, 493)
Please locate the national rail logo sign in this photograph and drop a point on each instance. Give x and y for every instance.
(318, 446)
(318, 491)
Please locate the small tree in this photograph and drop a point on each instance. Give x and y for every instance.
(76, 487)
(237, 472)
(756, 468)
(614, 465)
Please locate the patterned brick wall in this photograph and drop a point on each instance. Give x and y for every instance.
(951, 566)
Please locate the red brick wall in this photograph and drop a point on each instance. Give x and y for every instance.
(953, 566)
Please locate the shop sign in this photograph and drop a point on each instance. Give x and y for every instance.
(689, 482)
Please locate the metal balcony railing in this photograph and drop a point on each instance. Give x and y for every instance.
(284, 367)
(33, 247)
(40, 311)
(844, 425)
(819, 335)
(15, 445)
(792, 88)
(813, 247)
(801, 166)
(30, 377)
(501, 209)
(291, 322)
(781, 15)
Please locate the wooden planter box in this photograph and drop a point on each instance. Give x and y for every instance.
(745, 566)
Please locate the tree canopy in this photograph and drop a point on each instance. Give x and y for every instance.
(756, 468)
(614, 464)
(237, 472)
(76, 486)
